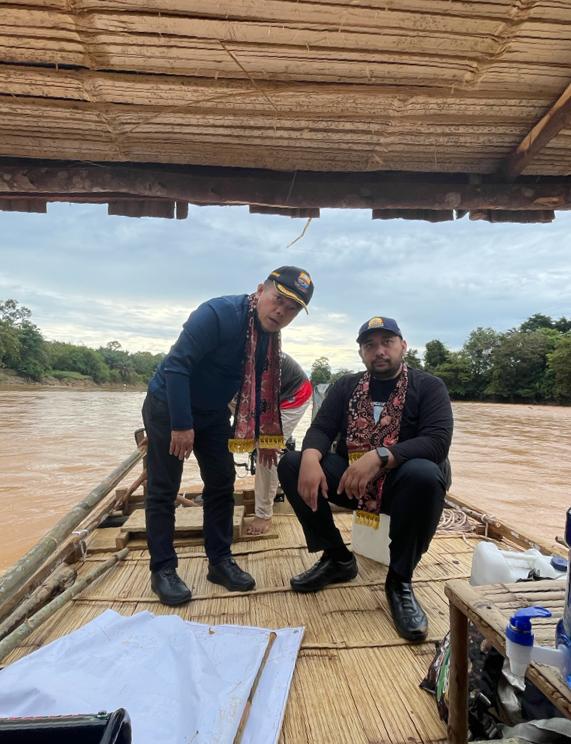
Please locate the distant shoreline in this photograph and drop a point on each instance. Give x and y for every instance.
(11, 381)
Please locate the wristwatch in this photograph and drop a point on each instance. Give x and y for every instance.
(383, 454)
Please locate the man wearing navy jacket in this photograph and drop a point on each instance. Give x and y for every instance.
(228, 345)
(393, 427)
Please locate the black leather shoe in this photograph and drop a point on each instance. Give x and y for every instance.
(229, 574)
(169, 587)
(408, 616)
(325, 571)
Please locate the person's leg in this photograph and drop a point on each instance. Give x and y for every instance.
(318, 526)
(164, 472)
(414, 497)
(337, 562)
(218, 475)
(266, 481)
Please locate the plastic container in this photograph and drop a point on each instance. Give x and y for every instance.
(493, 566)
(370, 541)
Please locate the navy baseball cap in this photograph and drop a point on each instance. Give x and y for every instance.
(293, 282)
(378, 323)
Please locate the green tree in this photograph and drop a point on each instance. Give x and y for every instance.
(33, 361)
(478, 350)
(412, 359)
(559, 364)
(145, 364)
(563, 325)
(9, 345)
(535, 322)
(119, 362)
(455, 373)
(519, 365)
(320, 371)
(14, 314)
(73, 358)
(340, 373)
(435, 354)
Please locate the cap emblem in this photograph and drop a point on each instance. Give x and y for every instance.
(376, 323)
(303, 281)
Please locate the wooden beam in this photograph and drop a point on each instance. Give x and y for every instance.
(523, 216)
(428, 215)
(142, 208)
(285, 211)
(301, 190)
(548, 127)
(24, 205)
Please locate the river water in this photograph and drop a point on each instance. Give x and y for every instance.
(513, 461)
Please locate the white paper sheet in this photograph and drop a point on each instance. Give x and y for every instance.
(180, 682)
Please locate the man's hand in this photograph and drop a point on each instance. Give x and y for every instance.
(182, 443)
(268, 457)
(359, 474)
(311, 478)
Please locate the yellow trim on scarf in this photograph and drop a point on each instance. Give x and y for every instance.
(354, 455)
(367, 519)
(271, 441)
(266, 441)
(241, 445)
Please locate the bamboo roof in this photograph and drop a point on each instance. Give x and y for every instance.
(446, 91)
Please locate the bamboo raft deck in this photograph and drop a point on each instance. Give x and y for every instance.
(345, 687)
(355, 680)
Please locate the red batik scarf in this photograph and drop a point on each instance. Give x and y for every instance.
(363, 435)
(269, 431)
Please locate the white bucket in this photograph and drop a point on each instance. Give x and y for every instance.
(372, 542)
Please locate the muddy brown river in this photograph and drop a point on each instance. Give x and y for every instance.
(513, 461)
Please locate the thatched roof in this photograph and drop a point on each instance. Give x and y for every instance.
(474, 89)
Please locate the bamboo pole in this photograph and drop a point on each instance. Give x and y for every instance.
(29, 564)
(62, 575)
(15, 638)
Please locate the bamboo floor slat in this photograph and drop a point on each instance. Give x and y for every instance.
(355, 679)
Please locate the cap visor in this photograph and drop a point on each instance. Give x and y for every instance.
(291, 295)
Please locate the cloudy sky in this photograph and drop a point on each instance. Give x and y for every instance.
(89, 278)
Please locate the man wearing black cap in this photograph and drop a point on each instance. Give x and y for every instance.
(228, 345)
(395, 427)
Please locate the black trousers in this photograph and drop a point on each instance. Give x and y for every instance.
(413, 495)
(164, 472)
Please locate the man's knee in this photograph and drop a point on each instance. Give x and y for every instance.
(288, 471)
(422, 476)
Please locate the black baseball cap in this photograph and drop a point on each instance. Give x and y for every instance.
(378, 323)
(293, 282)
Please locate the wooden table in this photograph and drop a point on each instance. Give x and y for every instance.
(490, 608)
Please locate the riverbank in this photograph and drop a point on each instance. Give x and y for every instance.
(10, 380)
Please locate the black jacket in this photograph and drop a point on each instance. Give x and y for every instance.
(426, 426)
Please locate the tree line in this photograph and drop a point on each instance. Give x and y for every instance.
(531, 363)
(24, 350)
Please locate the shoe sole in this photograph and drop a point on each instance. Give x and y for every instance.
(231, 588)
(170, 603)
(303, 590)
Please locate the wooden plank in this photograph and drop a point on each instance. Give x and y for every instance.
(548, 127)
(243, 186)
(189, 523)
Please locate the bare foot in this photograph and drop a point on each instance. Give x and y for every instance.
(259, 526)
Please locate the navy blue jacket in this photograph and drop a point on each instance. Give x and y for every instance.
(203, 369)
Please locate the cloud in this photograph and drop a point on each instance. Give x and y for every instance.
(92, 278)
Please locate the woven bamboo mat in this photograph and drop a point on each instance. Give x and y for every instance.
(355, 680)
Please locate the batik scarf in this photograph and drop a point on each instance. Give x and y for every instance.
(364, 435)
(249, 432)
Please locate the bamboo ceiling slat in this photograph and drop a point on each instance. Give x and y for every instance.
(397, 85)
